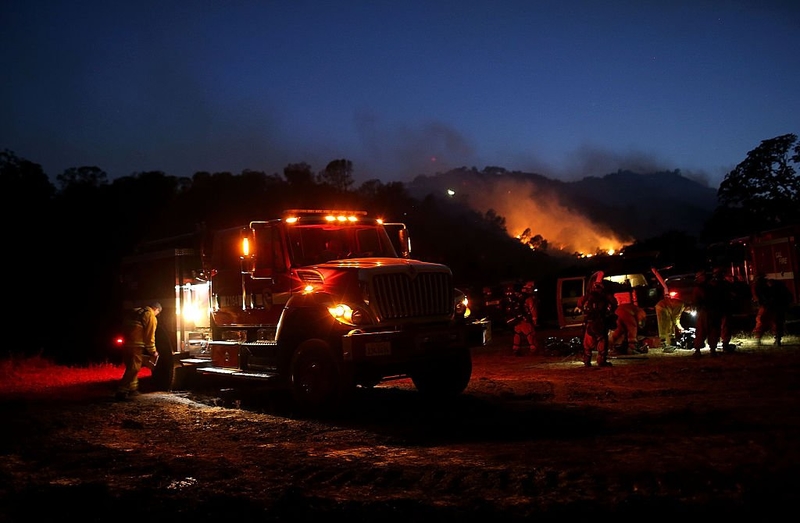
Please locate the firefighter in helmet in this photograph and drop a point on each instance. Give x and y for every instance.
(525, 319)
(598, 307)
(140, 340)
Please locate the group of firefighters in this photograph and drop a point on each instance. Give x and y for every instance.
(609, 324)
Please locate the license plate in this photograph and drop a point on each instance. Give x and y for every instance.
(379, 348)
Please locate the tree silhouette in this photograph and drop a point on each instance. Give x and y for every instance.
(27, 215)
(23, 181)
(762, 192)
(299, 175)
(338, 174)
(86, 176)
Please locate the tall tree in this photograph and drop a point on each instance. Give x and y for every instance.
(24, 183)
(298, 174)
(762, 192)
(338, 174)
(25, 212)
(86, 176)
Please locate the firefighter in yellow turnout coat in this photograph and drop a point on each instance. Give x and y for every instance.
(140, 339)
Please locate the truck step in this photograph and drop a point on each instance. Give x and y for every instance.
(236, 373)
(195, 361)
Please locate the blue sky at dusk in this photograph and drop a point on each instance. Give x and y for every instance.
(565, 89)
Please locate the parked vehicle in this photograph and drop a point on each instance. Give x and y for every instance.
(773, 253)
(270, 301)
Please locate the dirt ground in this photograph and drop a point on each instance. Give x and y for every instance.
(534, 438)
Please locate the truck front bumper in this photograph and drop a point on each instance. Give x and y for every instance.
(416, 343)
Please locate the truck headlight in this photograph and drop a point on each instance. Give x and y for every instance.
(343, 313)
(462, 305)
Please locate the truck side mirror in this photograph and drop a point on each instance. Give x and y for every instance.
(398, 235)
(405, 242)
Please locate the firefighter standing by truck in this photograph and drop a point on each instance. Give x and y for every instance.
(713, 298)
(524, 315)
(598, 307)
(773, 299)
(140, 340)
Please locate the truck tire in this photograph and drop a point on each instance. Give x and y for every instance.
(315, 380)
(444, 377)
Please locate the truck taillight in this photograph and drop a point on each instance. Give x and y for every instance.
(119, 341)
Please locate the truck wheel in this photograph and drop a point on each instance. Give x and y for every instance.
(444, 377)
(316, 385)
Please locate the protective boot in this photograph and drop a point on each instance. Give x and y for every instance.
(532, 345)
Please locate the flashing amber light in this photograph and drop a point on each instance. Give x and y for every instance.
(341, 218)
(330, 215)
(245, 246)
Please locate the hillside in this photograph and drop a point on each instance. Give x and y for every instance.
(632, 205)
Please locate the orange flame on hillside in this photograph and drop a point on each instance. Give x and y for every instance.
(529, 211)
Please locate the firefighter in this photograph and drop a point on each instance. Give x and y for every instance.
(773, 299)
(713, 298)
(525, 319)
(598, 307)
(140, 340)
(668, 316)
(630, 318)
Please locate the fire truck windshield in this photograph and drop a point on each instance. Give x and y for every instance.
(317, 244)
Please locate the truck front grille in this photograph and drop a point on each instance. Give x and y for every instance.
(400, 296)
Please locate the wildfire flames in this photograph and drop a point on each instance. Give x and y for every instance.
(534, 216)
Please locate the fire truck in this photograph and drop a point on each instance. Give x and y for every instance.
(773, 253)
(316, 302)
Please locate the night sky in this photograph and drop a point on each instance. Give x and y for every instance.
(565, 88)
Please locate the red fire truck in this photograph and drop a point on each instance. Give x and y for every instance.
(772, 253)
(316, 302)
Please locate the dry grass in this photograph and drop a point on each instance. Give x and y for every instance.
(35, 374)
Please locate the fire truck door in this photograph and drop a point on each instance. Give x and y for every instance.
(268, 288)
(568, 292)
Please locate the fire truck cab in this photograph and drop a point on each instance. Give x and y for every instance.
(317, 302)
